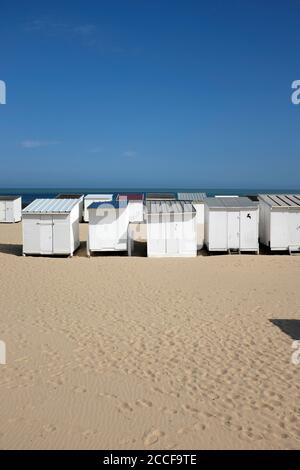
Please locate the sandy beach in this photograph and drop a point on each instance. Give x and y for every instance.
(134, 353)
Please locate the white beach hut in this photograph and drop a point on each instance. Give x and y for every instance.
(135, 203)
(80, 199)
(10, 209)
(108, 227)
(51, 227)
(90, 199)
(231, 224)
(280, 221)
(171, 229)
(197, 199)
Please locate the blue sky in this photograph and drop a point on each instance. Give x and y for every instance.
(150, 93)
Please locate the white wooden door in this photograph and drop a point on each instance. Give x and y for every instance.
(217, 230)
(188, 235)
(61, 234)
(294, 228)
(9, 211)
(172, 235)
(2, 211)
(46, 234)
(233, 226)
(122, 222)
(31, 234)
(249, 230)
(156, 236)
(108, 232)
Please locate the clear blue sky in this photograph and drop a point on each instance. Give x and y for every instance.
(150, 93)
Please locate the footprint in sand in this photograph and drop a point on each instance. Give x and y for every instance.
(79, 390)
(190, 409)
(145, 403)
(126, 407)
(152, 437)
(49, 428)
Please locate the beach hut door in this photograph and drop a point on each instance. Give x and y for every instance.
(294, 228)
(2, 211)
(173, 234)
(9, 211)
(233, 230)
(46, 234)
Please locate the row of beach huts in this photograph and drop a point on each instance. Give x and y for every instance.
(177, 224)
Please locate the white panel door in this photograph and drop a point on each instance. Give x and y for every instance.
(103, 229)
(199, 224)
(172, 234)
(172, 241)
(217, 230)
(121, 223)
(46, 234)
(233, 227)
(31, 234)
(9, 211)
(279, 229)
(188, 235)
(249, 230)
(156, 236)
(61, 234)
(2, 211)
(107, 230)
(294, 228)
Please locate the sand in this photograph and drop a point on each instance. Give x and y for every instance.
(134, 353)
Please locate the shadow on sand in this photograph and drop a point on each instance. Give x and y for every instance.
(289, 327)
(10, 249)
(139, 251)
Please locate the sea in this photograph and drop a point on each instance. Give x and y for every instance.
(30, 194)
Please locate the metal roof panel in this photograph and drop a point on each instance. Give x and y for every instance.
(69, 196)
(9, 198)
(161, 196)
(50, 206)
(193, 197)
(230, 203)
(169, 207)
(130, 196)
(287, 201)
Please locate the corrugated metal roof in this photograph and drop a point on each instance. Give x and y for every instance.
(253, 197)
(169, 207)
(9, 198)
(193, 197)
(50, 206)
(281, 200)
(161, 196)
(230, 202)
(114, 204)
(69, 196)
(99, 196)
(130, 197)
